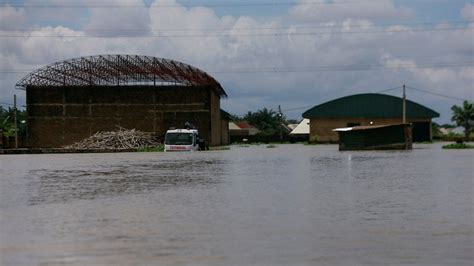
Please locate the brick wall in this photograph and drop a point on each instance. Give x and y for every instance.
(63, 115)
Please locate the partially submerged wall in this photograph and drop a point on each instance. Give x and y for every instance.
(63, 115)
(321, 128)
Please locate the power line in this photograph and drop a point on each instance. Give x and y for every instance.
(387, 90)
(437, 94)
(238, 28)
(203, 4)
(264, 34)
(309, 106)
(343, 68)
(313, 69)
(297, 108)
(391, 89)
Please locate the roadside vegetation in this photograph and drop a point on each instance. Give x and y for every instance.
(219, 148)
(159, 148)
(458, 146)
(7, 121)
(271, 125)
(463, 116)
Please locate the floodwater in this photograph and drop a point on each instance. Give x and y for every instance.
(289, 205)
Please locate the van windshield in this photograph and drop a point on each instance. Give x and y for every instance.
(179, 139)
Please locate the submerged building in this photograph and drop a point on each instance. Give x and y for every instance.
(71, 100)
(368, 109)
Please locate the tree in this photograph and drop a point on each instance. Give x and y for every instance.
(464, 117)
(7, 122)
(235, 118)
(266, 120)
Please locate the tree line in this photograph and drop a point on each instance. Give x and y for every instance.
(7, 121)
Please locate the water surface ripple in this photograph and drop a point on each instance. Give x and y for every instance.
(289, 205)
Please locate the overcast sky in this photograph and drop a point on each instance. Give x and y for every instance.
(265, 53)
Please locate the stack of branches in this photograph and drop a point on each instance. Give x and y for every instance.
(120, 139)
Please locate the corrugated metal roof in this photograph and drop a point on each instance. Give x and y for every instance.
(364, 127)
(244, 125)
(233, 126)
(369, 105)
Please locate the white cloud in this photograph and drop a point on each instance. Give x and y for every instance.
(467, 11)
(222, 43)
(11, 17)
(112, 21)
(340, 10)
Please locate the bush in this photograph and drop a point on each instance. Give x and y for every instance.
(159, 148)
(458, 146)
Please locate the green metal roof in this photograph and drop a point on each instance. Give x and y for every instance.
(369, 105)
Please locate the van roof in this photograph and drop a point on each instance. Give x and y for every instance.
(182, 131)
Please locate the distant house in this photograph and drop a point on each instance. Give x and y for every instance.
(246, 129)
(367, 110)
(292, 126)
(301, 131)
(302, 128)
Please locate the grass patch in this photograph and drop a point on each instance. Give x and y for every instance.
(244, 145)
(219, 148)
(458, 146)
(271, 146)
(160, 148)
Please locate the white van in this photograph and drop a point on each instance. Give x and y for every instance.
(183, 140)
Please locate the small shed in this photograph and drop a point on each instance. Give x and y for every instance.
(381, 137)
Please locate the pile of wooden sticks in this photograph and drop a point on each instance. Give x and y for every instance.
(120, 139)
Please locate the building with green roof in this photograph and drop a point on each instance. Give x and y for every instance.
(365, 110)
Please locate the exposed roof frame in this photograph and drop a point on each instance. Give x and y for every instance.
(118, 70)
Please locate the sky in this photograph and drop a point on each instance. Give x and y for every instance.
(265, 53)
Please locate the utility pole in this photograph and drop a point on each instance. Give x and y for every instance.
(15, 121)
(280, 115)
(404, 106)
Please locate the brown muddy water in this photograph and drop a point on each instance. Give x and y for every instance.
(289, 205)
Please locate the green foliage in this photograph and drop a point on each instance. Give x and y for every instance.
(458, 146)
(313, 139)
(219, 148)
(244, 145)
(451, 136)
(266, 120)
(159, 148)
(235, 118)
(436, 131)
(447, 126)
(463, 116)
(7, 123)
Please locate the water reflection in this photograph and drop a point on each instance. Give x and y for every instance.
(55, 186)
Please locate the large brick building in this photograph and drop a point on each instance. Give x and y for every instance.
(70, 100)
(364, 110)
